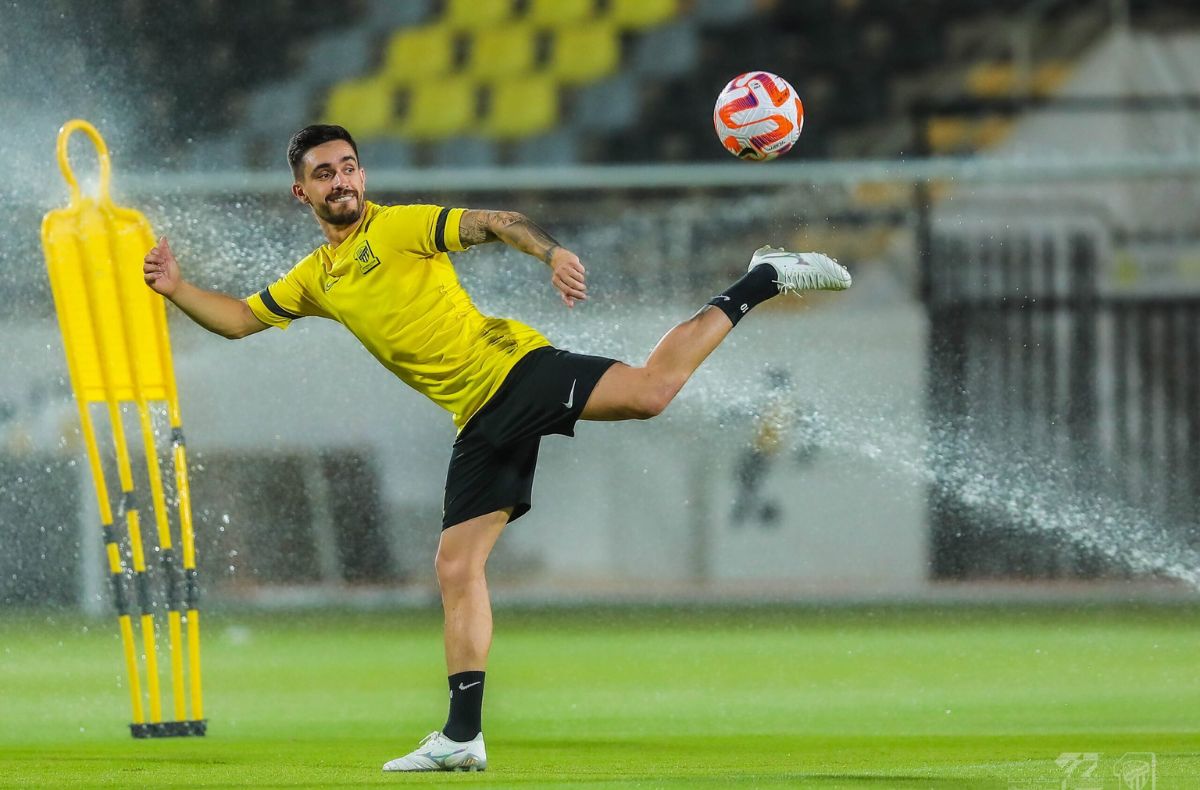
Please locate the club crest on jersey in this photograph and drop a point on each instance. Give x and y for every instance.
(365, 257)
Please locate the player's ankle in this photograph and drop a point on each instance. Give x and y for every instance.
(755, 287)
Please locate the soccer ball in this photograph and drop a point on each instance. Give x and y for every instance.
(758, 116)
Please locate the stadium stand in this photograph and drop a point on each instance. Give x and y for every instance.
(499, 81)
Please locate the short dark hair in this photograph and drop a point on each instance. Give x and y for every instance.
(310, 137)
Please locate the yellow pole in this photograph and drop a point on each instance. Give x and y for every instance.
(170, 571)
(187, 535)
(124, 471)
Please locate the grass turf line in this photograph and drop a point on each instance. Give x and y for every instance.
(888, 697)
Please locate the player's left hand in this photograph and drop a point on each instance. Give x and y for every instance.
(568, 276)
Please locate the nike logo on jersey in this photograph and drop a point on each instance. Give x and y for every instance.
(570, 401)
(461, 687)
(722, 297)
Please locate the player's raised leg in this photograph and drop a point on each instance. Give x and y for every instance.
(637, 393)
(461, 560)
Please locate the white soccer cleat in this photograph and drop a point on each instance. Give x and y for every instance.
(439, 753)
(802, 271)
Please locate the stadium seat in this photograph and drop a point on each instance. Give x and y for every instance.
(385, 152)
(609, 105)
(992, 80)
(559, 13)
(717, 13)
(278, 107)
(477, 14)
(558, 147)
(639, 14)
(366, 107)
(337, 56)
(522, 107)
(418, 53)
(464, 152)
(439, 108)
(991, 132)
(502, 52)
(584, 54)
(947, 135)
(667, 51)
(1049, 77)
(385, 15)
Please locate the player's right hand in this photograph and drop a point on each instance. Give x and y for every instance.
(568, 276)
(160, 268)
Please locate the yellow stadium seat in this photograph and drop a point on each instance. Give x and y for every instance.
(439, 108)
(559, 13)
(584, 54)
(419, 53)
(365, 107)
(522, 107)
(638, 14)
(947, 135)
(1049, 77)
(502, 52)
(992, 80)
(873, 194)
(991, 131)
(477, 14)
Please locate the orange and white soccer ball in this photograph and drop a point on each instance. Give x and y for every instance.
(758, 116)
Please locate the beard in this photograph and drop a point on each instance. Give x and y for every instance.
(340, 214)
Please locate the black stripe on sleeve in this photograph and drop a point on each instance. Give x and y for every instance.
(273, 306)
(439, 231)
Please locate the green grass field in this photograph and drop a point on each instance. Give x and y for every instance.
(884, 697)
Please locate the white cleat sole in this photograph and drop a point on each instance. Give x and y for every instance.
(803, 271)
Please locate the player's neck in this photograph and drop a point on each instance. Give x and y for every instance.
(336, 234)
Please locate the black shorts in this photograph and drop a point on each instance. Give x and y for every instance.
(493, 461)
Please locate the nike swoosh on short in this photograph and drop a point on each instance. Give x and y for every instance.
(570, 401)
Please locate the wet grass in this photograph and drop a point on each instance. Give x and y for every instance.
(861, 697)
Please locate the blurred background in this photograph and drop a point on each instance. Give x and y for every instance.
(1006, 404)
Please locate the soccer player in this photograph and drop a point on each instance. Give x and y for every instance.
(386, 276)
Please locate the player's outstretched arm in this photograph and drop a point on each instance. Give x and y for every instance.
(521, 233)
(216, 312)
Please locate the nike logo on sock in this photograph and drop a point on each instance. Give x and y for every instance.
(461, 687)
(571, 398)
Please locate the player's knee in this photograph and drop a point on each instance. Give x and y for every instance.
(455, 571)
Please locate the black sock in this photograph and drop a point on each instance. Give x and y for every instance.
(757, 286)
(466, 706)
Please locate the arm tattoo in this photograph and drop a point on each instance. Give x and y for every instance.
(522, 233)
(511, 227)
(474, 228)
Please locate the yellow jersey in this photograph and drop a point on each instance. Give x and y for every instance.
(393, 286)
